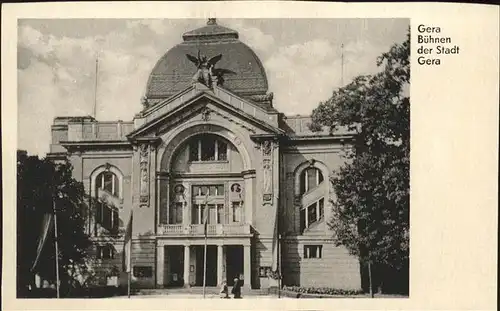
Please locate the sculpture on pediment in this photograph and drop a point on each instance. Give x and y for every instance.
(144, 102)
(206, 72)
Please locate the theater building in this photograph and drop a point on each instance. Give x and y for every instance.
(208, 141)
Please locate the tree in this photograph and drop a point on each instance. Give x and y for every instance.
(41, 186)
(371, 207)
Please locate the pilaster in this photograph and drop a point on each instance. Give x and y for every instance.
(247, 266)
(186, 265)
(160, 266)
(220, 264)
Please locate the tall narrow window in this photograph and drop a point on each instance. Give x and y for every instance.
(220, 213)
(211, 197)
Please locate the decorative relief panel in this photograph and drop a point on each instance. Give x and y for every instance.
(266, 148)
(144, 174)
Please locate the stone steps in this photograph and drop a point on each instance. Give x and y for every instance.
(197, 291)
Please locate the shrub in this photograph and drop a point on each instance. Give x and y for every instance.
(322, 290)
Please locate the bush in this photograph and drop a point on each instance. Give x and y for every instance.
(322, 291)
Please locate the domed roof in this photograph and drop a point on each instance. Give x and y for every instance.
(174, 71)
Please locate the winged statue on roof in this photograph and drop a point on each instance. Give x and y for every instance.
(206, 72)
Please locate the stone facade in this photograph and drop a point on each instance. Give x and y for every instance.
(209, 153)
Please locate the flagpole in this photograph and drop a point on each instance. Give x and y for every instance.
(205, 222)
(205, 264)
(279, 264)
(342, 66)
(129, 277)
(94, 114)
(127, 252)
(57, 248)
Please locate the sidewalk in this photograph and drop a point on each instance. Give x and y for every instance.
(195, 296)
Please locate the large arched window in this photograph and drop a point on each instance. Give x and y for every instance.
(207, 147)
(311, 190)
(107, 181)
(107, 192)
(310, 178)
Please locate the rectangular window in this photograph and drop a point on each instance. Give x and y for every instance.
(313, 251)
(105, 252)
(220, 213)
(211, 190)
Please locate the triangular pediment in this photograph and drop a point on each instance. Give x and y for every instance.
(206, 105)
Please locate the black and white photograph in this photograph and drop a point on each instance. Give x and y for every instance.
(249, 155)
(213, 158)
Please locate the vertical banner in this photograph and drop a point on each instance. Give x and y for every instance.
(127, 246)
(47, 224)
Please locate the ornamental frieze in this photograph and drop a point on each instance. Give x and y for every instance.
(144, 174)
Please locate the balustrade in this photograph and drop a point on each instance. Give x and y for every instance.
(197, 229)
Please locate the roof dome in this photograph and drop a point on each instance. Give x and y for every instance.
(174, 71)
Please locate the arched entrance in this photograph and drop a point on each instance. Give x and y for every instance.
(205, 190)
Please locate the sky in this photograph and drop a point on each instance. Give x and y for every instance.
(56, 63)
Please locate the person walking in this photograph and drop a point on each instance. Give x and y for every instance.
(236, 290)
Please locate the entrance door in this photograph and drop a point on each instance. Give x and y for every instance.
(211, 265)
(234, 263)
(175, 269)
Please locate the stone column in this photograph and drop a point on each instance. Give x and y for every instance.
(220, 264)
(247, 266)
(160, 266)
(186, 265)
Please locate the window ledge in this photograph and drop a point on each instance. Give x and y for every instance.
(208, 162)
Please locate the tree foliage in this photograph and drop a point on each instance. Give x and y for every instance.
(41, 185)
(371, 207)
